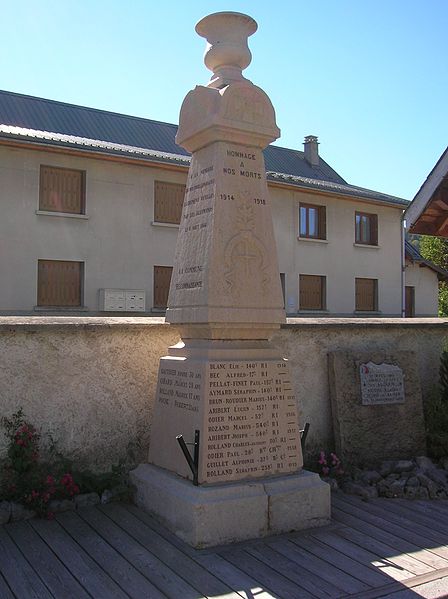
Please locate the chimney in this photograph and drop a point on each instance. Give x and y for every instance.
(311, 150)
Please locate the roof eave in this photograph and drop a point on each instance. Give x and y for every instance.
(425, 194)
(179, 162)
(92, 152)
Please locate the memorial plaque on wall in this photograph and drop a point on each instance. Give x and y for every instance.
(381, 384)
(376, 405)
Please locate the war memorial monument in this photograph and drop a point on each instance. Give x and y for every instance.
(224, 387)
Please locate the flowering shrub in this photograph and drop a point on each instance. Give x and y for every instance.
(24, 478)
(330, 465)
(23, 450)
(38, 499)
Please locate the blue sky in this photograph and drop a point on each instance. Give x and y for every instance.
(369, 77)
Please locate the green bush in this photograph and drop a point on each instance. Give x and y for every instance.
(436, 419)
(436, 413)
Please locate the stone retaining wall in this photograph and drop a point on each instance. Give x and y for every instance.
(91, 381)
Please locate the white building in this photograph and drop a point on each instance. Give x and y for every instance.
(91, 202)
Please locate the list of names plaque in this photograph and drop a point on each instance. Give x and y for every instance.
(251, 427)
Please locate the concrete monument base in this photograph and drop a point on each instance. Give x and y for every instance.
(209, 515)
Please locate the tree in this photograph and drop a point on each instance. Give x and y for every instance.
(435, 249)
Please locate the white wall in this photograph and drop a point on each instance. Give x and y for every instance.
(426, 285)
(120, 245)
(117, 241)
(337, 257)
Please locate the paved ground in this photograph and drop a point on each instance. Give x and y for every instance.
(380, 548)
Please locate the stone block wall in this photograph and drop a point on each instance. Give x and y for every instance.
(91, 382)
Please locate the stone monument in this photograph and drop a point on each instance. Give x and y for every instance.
(224, 385)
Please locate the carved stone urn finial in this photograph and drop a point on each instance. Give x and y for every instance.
(227, 52)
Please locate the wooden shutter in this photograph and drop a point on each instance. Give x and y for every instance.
(365, 291)
(311, 292)
(373, 229)
(59, 283)
(168, 202)
(322, 222)
(61, 190)
(162, 280)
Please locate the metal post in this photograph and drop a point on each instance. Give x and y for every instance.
(196, 457)
(193, 462)
(303, 435)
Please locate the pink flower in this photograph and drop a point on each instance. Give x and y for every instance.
(67, 479)
(322, 458)
(325, 471)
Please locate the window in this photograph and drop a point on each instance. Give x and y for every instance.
(162, 280)
(168, 202)
(366, 295)
(312, 221)
(366, 228)
(59, 283)
(311, 292)
(62, 190)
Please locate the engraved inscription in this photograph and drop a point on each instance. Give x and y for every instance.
(197, 210)
(180, 388)
(381, 384)
(251, 426)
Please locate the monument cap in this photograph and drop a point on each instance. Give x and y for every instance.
(227, 52)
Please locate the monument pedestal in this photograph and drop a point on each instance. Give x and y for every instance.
(210, 515)
(238, 395)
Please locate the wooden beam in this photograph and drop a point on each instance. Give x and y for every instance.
(441, 203)
(442, 230)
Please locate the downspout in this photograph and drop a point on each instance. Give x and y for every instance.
(403, 266)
